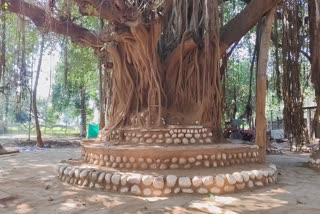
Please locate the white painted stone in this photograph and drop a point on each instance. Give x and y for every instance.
(188, 135)
(215, 190)
(171, 180)
(174, 166)
(214, 164)
(273, 166)
(115, 179)
(208, 140)
(147, 191)
(197, 136)
(245, 176)
(258, 174)
(206, 163)
(213, 157)
(238, 177)
(134, 179)
(147, 180)
(149, 160)
(169, 141)
(144, 165)
(107, 178)
(196, 181)
(157, 192)
(101, 177)
(180, 135)
(240, 186)
(231, 180)
(202, 191)
(229, 188)
(259, 184)
(123, 180)
(207, 180)
(163, 166)
(224, 156)
(158, 182)
(124, 189)
(132, 159)
(185, 141)
(199, 157)
(192, 140)
(219, 180)
(167, 191)
(251, 175)
(187, 166)
(84, 174)
(77, 173)
(135, 189)
(189, 191)
(250, 184)
(167, 135)
(149, 141)
(191, 159)
(182, 160)
(184, 182)
(176, 141)
(219, 156)
(177, 190)
(265, 173)
(174, 136)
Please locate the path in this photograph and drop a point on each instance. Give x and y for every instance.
(29, 178)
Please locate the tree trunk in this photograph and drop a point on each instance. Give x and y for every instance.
(34, 96)
(102, 96)
(261, 125)
(83, 113)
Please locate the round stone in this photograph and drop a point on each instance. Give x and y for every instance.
(77, 173)
(259, 184)
(84, 174)
(132, 159)
(158, 182)
(174, 166)
(215, 190)
(238, 177)
(171, 180)
(202, 191)
(169, 141)
(224, 156)
(185, 141)
(182, 161)
(157, 192)
(206, 163)
(189, 191)
(207, 181)
(250, 184)
(184, 182)
(147, 191)
(196, 181)
(199, 157)
(176, 141)
(101, 177)
(177, 190)
(240, 186)
(115, 179)
(180, 135)
(147, 180)
(167, 191)
(231, 179)
(192, 140)
(208, 140)
(124, 189)
(134, 179)
(258, 174)
(123, 180)
(245, 176)
(149, 160)
(174, 160)
(149, 141)
(163, 166)
(229, 188)
(107, 178)
(191, 159)
(144, 165)
(219, 180)
(135, 189)
(197, 136)
(188, 135)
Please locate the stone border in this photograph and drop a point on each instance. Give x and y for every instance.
(148, 185)
(314, 164)
(159, 158)
(167, 136)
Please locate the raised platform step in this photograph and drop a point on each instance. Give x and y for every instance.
(169, 182)
(170, 157)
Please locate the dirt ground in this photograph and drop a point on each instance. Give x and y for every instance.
(28, 185)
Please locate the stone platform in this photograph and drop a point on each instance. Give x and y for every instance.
(169, 182)
(169, 157)
(314, 164)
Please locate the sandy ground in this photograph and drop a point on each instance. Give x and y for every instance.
(29, 179)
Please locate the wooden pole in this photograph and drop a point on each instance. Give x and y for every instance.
(261, 125)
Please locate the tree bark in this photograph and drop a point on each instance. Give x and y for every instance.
(34, 96)
(261, 125)
(83, 113)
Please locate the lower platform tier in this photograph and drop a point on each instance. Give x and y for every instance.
(169, 182)
(173, 157)
(314, 164)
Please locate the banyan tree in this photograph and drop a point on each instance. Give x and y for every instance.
(164, 92)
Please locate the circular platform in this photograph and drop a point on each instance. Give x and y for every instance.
(169, 157)
(169, 182)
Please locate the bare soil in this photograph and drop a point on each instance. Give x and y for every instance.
(28, 185)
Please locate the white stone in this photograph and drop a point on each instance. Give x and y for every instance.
(177, 190)
(245, 176)
(77, 173)
(258, 174)
(215, 164)
(157, 192)
(84, 174)
(176, 141)
(174, 166)
(147, 191)
(188, 135)
(149, 141)
(147, 180)
(250, 184)
(101, 177)
(115, 179)
(107, 178)
(169, 141)
(197, 136)
(192, 140)
(219, 180)
(207, 181)
(208, 140)
(158, 182)
(180, 135)
(189, 191)
(184, 182)
(219, 156)
(132, 159)
(185, 141)
(196, 181)
(206, 163)
(134, 179)
(224, 156)
(229, 188)
(241, 186)
(163, 166)
(273, 166)
(123, 180)
(265, 173)
(199, 157)
(124, 189)
(259, 184)
(251, 175)
(171, 180)
(238, 177)
(215, 190)
(191, 159)
(149, 160)
(167, 191)
(182, 161)
(231, 180)
(135, 189)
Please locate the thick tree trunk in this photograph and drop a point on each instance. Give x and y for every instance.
(261, 124)
(83, 113)
(102, 96)
(34, 96)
